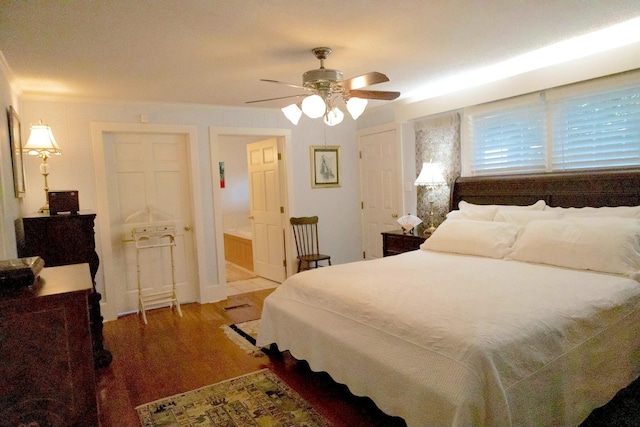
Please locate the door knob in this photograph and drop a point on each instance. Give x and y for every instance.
(187, 228)
(394, 216)
(251, 217)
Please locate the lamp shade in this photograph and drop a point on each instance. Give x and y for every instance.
(293, 113)
(431, 174)
(313, 106)
(41, 141)
(356, 107)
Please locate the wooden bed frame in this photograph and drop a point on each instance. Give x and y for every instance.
(619, 187)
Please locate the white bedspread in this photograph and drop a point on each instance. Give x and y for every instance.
(454, 340)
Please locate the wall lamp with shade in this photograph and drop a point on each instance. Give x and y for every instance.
(432, 178)
(41, 143)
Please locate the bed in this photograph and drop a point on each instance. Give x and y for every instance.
(520, 310)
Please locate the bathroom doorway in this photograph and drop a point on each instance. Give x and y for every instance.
(235, 230)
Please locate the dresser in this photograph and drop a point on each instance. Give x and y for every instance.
(396, 241)
(63, 240)
(47, 367)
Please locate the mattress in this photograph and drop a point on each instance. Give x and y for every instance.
(457, 340)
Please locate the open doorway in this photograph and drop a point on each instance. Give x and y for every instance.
(243, 245)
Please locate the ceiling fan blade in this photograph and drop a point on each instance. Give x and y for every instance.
(368, 79)
(274, 99)
(281, 83)
(374, 94)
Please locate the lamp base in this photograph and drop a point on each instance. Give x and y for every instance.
(44, 209)
(429, 231)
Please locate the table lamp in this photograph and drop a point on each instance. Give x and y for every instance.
(42, 144)
(432, 178)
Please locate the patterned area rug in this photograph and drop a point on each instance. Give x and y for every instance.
(244, 335)
(256, 399)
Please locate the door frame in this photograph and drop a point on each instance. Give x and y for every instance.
(98, 130)
(286, 186)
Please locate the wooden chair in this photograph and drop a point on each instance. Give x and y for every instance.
(305, 231)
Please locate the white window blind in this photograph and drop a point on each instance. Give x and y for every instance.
(508, 140)
(585, 126)
(600, 130)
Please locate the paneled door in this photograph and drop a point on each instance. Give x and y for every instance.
(149, 186)
(267, 217)
(380, 186)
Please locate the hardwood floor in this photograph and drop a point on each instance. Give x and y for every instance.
(171, 355)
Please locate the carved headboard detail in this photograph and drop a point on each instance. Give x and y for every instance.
(620, 187)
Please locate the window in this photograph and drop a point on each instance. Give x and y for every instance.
(584, 126)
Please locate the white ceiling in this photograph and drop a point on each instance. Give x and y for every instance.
(215, 51)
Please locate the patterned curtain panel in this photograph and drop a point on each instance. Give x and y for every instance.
(438, 140)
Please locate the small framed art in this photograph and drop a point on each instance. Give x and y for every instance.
(221, 168)
(325, 166)
(15, 142)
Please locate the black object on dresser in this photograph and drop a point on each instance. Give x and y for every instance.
(63, 240)
(397, 241)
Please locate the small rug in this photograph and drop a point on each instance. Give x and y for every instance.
(244, 334)
(256, 399)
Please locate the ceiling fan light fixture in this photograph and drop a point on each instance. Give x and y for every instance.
(313, 106)
(356, 106)
(325, 86)
(293, 113)
(333, 117)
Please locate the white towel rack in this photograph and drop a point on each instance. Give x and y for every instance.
(153, 237)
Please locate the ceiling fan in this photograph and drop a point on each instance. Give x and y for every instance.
(324, 87)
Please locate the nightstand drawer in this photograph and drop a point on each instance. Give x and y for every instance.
(396, 242)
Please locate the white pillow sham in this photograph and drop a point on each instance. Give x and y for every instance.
(476, 215)
(610, 211)
(522, 217)
(484, 212)
(469, 237)
(537, 206)
(609, 245)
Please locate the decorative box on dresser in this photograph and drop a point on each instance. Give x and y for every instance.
(63, 240)
(47, 368)
(397, 241)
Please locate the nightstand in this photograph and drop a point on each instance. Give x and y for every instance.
(396, 242)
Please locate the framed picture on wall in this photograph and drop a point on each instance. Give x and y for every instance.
(15, 142)
(325, 166)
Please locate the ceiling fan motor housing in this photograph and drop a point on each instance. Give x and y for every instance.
(321, 77)
(330, 84)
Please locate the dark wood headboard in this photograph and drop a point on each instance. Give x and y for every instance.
(619, 187)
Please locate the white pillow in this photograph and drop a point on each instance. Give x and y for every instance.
(482, 238)
(537, 206)
(619, 211)
(609, 245)
(522, 217)
(475, 211)
(476, 215)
